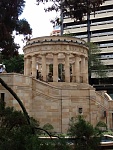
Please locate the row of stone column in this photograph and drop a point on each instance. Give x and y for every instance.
(79, 68)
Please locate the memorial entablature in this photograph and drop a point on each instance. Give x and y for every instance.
(56, 58)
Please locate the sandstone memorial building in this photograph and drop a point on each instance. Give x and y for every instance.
(54, 86)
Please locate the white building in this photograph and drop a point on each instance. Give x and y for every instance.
(56, 31)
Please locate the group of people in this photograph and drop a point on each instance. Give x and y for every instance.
(39, 75)
(49, 77)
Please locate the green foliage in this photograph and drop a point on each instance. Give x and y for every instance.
(14, 128)
(108, 132)
(10, 10)
(101, 124)
(15, 64)
(16, 133)
(94, 63)
(23, 27)
(86, 136)
(73, 8)
(48, 127)
(68, 34)
(35, 143)
(8, 47)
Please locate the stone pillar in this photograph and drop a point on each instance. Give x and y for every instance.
(34, 66)
(55, 67)
(77, 68)
(73, 73)
(39, 67)
(28, 66)
(86, 70)
(67, 68)
(47, 68)
(24, 66)
(83, 68)
(44, 67)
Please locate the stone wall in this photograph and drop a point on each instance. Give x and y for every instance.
(56, 103)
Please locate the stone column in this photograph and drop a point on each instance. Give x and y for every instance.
(83, 68)
(86, 70)
(28, 66)
(73, 72)
(47, 68)
(24, 66)
(55, 67)
(67, 68)
(34, 66)
(39, 67)
(77, 68)
(44, 66)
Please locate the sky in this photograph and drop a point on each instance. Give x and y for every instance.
(38, 19)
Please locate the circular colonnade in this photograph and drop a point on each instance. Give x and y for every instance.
(56, 58)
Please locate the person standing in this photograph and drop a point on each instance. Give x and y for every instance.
(2, 68)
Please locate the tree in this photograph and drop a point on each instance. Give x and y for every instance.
(16, 133)
(12, 123)
(10, 10)
(74, 8)
(95, 65)
(14, 128)
(86, 136)
(19, 131)
(14, 64)
(23, 108)
(48, 127)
